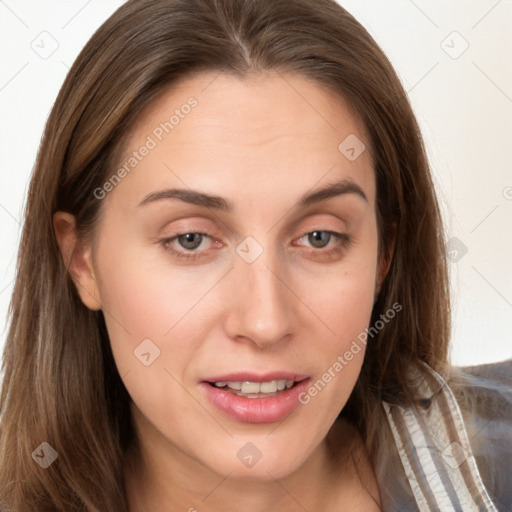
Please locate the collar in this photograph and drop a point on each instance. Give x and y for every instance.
(434, 449)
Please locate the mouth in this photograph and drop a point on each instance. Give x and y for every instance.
(251, 398)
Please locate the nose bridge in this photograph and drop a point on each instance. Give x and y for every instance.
(261, 308)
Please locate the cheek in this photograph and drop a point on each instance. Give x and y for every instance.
(140, 301)
(343, 298)
(147, 310)
(142, 290)
(346, 300)
(146, 297)
(343, 307)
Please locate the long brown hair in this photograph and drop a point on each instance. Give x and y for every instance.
(61, 385)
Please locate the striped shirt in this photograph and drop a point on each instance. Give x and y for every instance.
(444, 468)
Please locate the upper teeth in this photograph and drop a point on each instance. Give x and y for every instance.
(257, 387)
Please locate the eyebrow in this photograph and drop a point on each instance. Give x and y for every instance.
(340, 187)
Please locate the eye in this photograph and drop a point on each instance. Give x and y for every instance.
(190, 242)
(320, 240)
(189, 246)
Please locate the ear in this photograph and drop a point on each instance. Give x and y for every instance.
(385, 259)
(77, 257)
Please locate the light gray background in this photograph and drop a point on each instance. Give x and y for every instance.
(461, 96)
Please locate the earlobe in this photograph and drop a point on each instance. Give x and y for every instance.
(77, 258)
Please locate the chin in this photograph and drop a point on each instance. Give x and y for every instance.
(261, 472)
(251, 464)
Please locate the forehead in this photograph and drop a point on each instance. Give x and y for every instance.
(215, 131)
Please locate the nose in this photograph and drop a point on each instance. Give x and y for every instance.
(260, 308)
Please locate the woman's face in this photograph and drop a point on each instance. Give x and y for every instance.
(244, 275)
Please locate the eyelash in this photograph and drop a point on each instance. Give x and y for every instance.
(344, 242)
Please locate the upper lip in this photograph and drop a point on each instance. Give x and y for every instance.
(248, 376)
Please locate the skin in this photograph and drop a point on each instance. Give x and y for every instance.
(260, 142)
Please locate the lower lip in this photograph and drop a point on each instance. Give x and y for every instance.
(256, 410)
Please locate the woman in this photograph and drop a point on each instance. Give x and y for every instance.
(232, 292)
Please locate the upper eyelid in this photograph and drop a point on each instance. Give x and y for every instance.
(317, 225)
(345, 219)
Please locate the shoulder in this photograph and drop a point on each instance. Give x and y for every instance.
(455, 441)
(484, 395)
